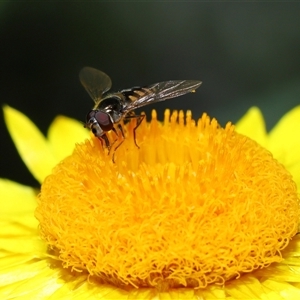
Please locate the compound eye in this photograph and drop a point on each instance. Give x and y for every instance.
(104, 120)
(90, 115)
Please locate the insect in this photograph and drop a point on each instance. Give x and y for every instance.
(111, 108)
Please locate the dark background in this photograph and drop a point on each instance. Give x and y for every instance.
(245, 53)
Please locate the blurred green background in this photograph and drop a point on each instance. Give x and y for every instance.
(245, 53)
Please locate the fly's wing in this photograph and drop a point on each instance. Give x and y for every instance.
(160, 92)
(95, 82)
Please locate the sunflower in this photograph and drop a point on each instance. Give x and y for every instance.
(196, 212)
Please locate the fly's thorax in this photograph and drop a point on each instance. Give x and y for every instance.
(113, 105)
(112, 102)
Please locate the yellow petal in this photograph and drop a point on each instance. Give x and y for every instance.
(16, 237)
(28, 280)
(211, 292)
(295, 171)
(15, 268)
(284, 138)
(16, 199)
(30, 244)
(30, 142)
(63, 133)
(252, 124)
(246, 287)
(18, 227)
(142, 294)
(284, 289)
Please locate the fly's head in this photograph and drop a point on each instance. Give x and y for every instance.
(99, 122)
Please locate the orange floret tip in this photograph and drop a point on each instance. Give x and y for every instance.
(195, 204)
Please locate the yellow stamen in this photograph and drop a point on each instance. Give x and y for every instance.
(196, 204)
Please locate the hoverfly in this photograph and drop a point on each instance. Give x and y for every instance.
(111, 108)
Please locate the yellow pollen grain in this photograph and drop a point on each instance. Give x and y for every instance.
(196, 204)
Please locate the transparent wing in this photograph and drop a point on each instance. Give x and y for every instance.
(162, 91)
(95, 82)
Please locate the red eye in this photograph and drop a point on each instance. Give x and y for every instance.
(104, 120)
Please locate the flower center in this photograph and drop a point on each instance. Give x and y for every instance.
(196, 204)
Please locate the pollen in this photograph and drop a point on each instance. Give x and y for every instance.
(194, 204)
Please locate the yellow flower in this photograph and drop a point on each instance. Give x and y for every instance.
(282, 141)
(148, 230)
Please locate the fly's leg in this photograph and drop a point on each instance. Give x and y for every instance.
(139, 119)
(123, 138)
(115, 131)
(106, 141)
(122, 134)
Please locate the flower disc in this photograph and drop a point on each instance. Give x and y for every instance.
(194, 205)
